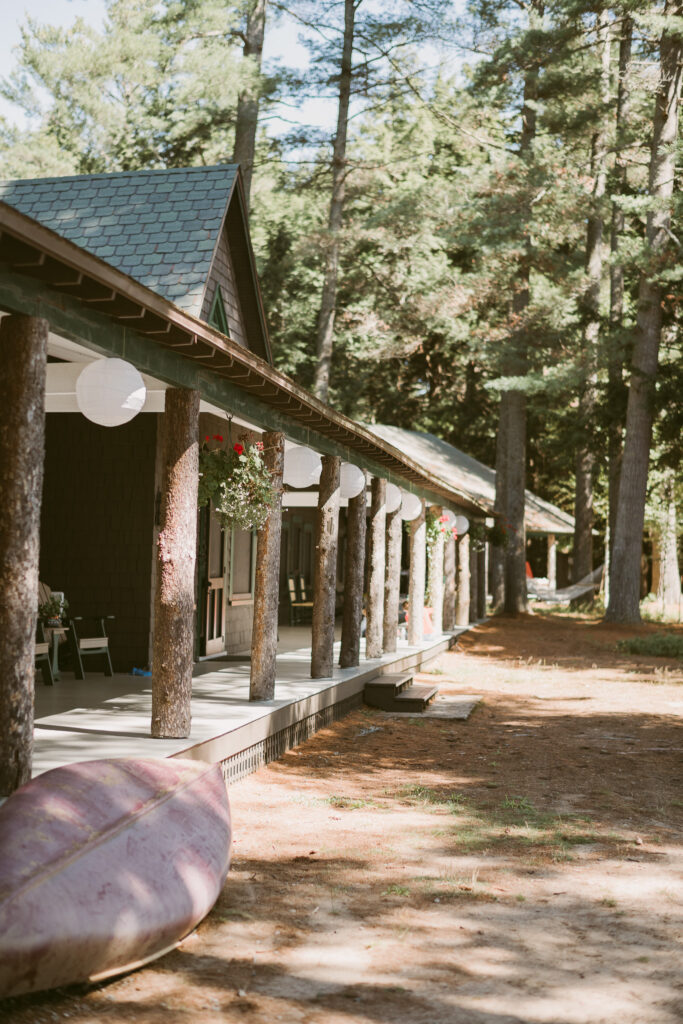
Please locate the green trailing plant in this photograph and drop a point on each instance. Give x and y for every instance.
(434, 527)
(497, 535)
(478, 535)
(237, 483)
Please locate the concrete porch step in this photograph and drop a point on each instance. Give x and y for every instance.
(398, 693)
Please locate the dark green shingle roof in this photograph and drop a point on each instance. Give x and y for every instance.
(159, 227)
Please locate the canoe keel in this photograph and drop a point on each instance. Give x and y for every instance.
(105, 865)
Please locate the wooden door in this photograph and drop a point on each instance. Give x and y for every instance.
(214, 625)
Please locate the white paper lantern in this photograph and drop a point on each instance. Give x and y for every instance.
(302, 467)
(462, 525)
(393, 498)
(351, 480)
(110, 392)
(411, 506)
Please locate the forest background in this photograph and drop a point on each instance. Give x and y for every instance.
(480, 241)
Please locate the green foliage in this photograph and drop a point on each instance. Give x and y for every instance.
(53, 608)
(237, 483)
(444, 213)
(659, 645)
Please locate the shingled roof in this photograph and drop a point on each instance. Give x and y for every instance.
(159, 227)
(472, 477)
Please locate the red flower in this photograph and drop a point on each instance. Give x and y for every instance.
(207, 438)
(443, 519)
(239, 448)
(259, 446)
(217, 437)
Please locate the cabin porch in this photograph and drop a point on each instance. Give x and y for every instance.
(80, 720)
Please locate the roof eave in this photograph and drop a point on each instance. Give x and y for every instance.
(64, 266)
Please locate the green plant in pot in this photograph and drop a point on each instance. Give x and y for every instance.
(51, 611)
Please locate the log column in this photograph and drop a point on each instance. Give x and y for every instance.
(325, 569)
(449, 581)
(481, 583)
(462, 602)
(374, 612)
(552, 561)
(173, 642)
(474, 583)
(267, 581)
(392, 579)
(416, 594)
(354, 578)
(436, 588)
(23, 358)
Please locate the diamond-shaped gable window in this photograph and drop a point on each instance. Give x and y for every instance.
(217, 317)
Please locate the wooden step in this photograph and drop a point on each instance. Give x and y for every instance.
(398, 693)
(415, 698)
(382, 691)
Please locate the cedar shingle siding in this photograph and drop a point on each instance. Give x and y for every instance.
(223, 274)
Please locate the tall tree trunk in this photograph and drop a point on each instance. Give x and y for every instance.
(248, 99)
(625, 589)
(515, 364)
(325, 329)
(616, 391)
(498, 553)
(173, 642)
(23, 359)
(325, 569)
(669, 583)
(267, 581)
(590, 314)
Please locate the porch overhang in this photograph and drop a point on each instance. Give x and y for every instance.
(92, 303)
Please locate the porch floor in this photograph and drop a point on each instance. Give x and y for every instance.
(81, 720)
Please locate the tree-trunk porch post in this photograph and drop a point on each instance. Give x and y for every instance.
(173, 641)
(416, 594)
(374, 612)
(267, 579)
(392, 580)
(23, 359)
(474, 583)
(436, 588)
(481, 583)
(462, 602)
(449, 581)
(354, 577)
(552, 561)
(325, 569)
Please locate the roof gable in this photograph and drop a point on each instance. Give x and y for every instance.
(160, 227)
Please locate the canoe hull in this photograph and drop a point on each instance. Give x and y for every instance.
(105, 865)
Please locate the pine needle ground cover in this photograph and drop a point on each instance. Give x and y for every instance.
(520, 866)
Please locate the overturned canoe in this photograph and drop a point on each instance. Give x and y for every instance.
(105, 865)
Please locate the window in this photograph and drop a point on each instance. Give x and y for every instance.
(242, 566)
(217, 317)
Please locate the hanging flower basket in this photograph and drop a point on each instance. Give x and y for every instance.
(237, 483)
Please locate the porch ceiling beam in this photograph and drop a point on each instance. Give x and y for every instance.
(20, 292)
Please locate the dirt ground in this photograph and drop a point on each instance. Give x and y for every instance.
(520, 866)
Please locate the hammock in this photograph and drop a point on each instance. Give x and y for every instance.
(539, 590)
